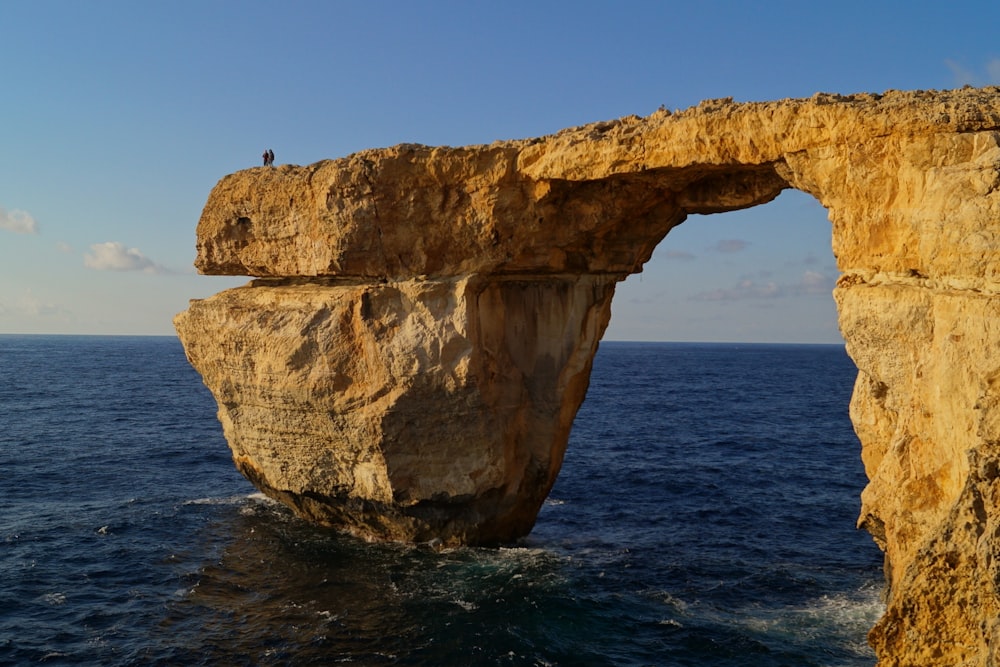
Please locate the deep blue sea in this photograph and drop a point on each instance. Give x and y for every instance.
(704, 516)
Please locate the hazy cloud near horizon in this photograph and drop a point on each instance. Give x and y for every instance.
(19, 222)
(27, 304)
(730, 245)
(810, 282)
(114, 256)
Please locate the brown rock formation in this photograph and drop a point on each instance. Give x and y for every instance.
(410, 360)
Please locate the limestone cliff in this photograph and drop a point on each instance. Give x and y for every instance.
(409, 361)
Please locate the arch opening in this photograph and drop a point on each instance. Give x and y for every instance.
(763, 274)
(734, 435)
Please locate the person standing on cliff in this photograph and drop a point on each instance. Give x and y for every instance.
(265, 155)
(270, 157)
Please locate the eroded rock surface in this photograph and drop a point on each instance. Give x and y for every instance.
(410, 359)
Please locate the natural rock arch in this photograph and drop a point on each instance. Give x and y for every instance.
(408, 363)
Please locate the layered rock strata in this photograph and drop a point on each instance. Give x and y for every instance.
(409, 360)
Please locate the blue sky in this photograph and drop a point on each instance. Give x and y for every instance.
(117, 118)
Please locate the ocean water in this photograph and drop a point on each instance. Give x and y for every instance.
(704, 516)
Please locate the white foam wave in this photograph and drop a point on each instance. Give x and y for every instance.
(672, 601)
(466, 605)
(54, 599)
(257, 497)
(843, 618)
(231, 500)
(54, 655)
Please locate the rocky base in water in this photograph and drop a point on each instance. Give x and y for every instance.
(409, 363)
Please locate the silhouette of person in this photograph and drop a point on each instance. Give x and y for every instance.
(265, 156)
(270, 157)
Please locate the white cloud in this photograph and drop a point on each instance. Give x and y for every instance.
(967, 77)
(813, 282)
(993, 70)
(809, 283)
(114, 256)
(963, 77)
(38, 308)
(730, 245)
(678, 255)
(745, 289)
(19, 222)
(30, 306)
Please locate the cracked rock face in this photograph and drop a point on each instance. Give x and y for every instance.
(410, 359)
